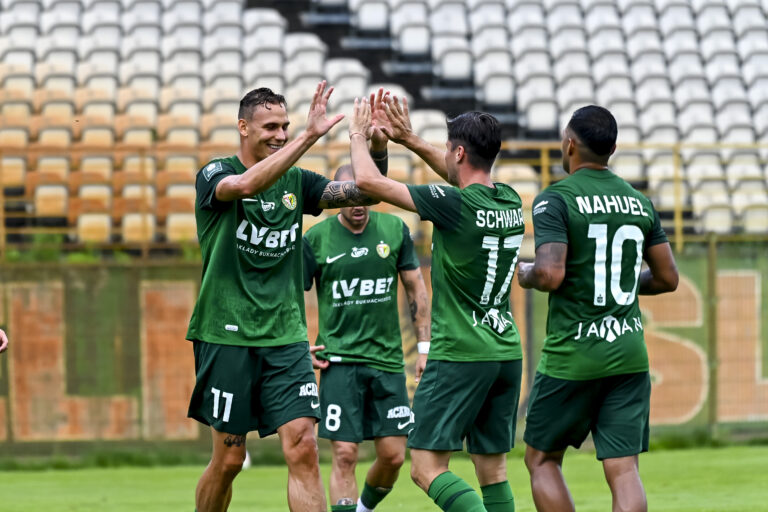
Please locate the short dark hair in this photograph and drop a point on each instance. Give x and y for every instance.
(479, 133)
(261, 96)
(341, 171)
(596, 128)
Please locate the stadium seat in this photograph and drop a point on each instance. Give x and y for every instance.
(449, 19)
(349, 78)
(567, 41)
(563, 17)
(524, 15)
(223, 16)
(628, 166)
(430, 125)
(712, 208)
(753, 43)
(704, 167)
(676, 17)
(138, 227)
(530, 41)
(744, 167)
(485, 16)
(181, 227)
(638, 17)
(664, 194)
(541, 115)
(494, 79)
(606, 41)
(13, 170)
(452, 58)
(93, 198)
(602, 17)
(575, 92)
(94, 227)
(51, 200)
(370, 15)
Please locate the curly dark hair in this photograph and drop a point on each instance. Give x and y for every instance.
(480, 134)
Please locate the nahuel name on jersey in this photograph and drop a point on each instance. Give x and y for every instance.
(499, 218)
(271, 238)
(610, 204)
(609, 328)
(399, 412)
(343, 288)
(308, 389)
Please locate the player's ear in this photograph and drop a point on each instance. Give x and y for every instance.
(460, 153)
(242, 127)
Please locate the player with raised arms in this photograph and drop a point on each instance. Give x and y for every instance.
(471, 384)
(252, 359)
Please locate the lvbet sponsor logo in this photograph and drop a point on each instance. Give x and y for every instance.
(362, 287)
(258, 235)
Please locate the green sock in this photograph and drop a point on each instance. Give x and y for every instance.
(498, 497)
(453, 494)
(372, 496)
(343, 508)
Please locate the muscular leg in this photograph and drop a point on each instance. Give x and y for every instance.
(429, 469)
(381, 477)
(491, 471)
(343, 483)
(214, 490)
(623, 477)
(550, 493)
(390, 455)
(305, 488)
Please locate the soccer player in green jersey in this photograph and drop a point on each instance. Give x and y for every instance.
(593, 231)
(355, 258)
(471, 385)
(252, 361)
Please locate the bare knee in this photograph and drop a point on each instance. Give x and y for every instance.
(345, 457)
(391, 459)
(300, 448)
(535, 459)
(229, 464)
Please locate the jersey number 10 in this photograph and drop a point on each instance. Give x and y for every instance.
(600, 233)
(492, 244)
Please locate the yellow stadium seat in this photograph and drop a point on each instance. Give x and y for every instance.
(138, 227)
(181, 227)
(94, 227)
(51, 200)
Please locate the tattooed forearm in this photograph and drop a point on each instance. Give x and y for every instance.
(234, 440)
(414, 310)
(339, 194)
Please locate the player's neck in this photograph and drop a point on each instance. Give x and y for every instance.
(247, 160)
(471, 176)
(353, 229)
(587, 165)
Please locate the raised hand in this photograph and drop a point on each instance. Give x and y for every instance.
(398, 123)
(379, 139)
(361, 122)
(317, 122)
(3, 340)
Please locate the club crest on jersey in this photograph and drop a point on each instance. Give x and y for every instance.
(382, 249)
(357, 252)
(289, 201)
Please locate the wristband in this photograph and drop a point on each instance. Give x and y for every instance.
(422, 347)
(357, 133)
(379, 156)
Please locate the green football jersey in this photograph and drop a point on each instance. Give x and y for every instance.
(251, 292)
(594, 327)
(356, 276)
(475, 245)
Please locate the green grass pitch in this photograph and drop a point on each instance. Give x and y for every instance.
(696, 480)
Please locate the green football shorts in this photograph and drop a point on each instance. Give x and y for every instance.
(240, 389)
(615, 409)
(476, 401)
(359, 402)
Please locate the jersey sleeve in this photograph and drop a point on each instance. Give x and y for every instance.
(207, 179)
(656, 235)
(439, 204)
(310, 264)
(312, 187)
(550, 218)
(407, 259)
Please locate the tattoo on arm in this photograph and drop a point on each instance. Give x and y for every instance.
(414, 310)
(338, 194)
(234, 440)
